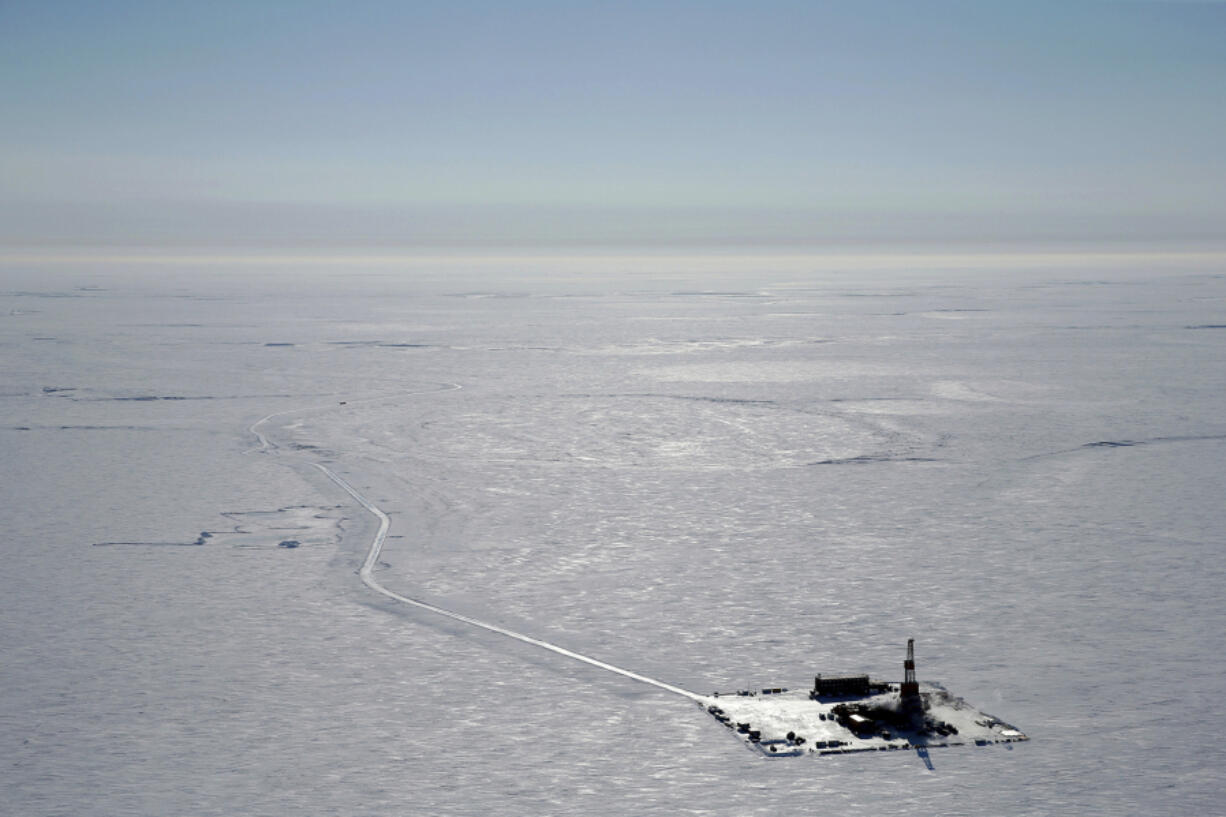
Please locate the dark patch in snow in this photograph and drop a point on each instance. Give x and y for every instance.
(1175, 438)
(279, 344)
(865, 459)
(701, 399)
(1155, 440)
(1207, 326)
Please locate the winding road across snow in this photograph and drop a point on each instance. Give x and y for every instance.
(376, 547)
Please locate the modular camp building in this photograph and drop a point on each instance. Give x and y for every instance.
(838, 686)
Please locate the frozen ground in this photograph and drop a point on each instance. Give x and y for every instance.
(718, 475)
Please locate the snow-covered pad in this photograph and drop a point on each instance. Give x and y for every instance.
(286, 528)
(783, 723)
(292, 527)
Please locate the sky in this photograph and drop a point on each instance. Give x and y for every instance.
(639, 123)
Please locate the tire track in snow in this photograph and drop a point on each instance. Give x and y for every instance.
(376, 547)
(367, 575)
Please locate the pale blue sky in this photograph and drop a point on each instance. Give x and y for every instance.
(663, 122)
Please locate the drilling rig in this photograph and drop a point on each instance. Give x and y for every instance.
(910, 687)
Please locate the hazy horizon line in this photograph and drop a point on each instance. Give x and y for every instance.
(822, 257)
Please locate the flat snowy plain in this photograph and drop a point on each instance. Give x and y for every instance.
(720, 473)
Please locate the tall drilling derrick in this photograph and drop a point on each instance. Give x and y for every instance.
(910, 687)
